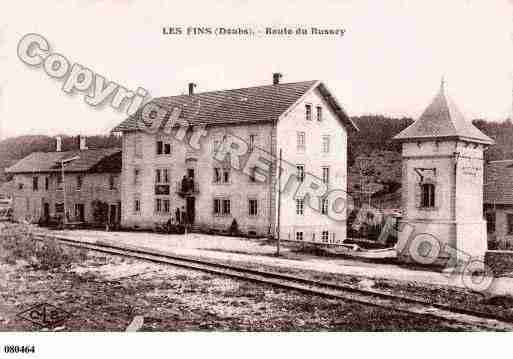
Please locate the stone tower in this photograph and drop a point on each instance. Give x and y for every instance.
(442, 186)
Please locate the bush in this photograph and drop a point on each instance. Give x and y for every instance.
(17, 243)
(234, 228)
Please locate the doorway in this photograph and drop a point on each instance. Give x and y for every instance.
(113, 214)
(46, 212)
(79, 212)
(190, 209)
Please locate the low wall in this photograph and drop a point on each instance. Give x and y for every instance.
(499, 261)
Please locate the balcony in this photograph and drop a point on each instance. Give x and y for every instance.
(187, 189)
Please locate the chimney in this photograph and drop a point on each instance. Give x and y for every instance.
(59, 144)
(276, 78)
(83, 146)
(192, 85)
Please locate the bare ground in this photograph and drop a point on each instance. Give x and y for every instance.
(105, 293)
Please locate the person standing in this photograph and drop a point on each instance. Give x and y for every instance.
(177, 216)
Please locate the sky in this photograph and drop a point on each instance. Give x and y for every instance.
(390, 60)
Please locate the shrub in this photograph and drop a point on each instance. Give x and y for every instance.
(17, 243)
(234, 228)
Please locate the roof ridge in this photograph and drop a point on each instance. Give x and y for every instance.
(237, 89)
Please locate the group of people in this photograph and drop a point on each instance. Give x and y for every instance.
(181, 216)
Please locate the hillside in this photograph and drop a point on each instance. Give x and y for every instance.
(374, 160)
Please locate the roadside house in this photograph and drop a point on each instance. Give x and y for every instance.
(498, 203)
(302, 119)
(91, 185)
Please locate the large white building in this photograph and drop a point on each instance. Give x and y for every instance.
(227, 144)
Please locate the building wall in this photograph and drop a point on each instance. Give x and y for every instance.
(239, 189)
(457, 218)
(312, 222)
(28, 204)
(501, 235)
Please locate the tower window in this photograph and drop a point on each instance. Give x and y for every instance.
(427, 195)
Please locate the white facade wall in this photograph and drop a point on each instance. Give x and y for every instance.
(314, 159)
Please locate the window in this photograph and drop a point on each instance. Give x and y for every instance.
(509, 219)
(137, 173)
(490, 222)
(221, 175)
(215, 145)
(59, 208)
(137, 146)
(47, 183)
(111, 182)
(217, 175)
(59, 183)
(319, 113)
(301, 141)
(35, 183)
(163, 147)
(226, 175)
(325, 144)
(253, 207)
(162, 205)
(324, 206)
(324, 236)
(222, 207)
(252, 174)
(20, 186)
(300, 173)
(137, 205)
(299, 236)
(226, 207)
(326, 175)
(427, 195)
(80, 180)
(308, 112)
(252, 141)
(217, 206)
(300, 206)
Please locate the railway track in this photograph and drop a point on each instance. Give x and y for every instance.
(464, 317)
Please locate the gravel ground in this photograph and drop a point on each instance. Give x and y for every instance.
(105, 293)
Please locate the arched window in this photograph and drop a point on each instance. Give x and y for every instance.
(427, 195)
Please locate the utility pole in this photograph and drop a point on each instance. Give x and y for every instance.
(278, 224)
(64, 161)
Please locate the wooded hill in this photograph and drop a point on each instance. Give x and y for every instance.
(374, 160)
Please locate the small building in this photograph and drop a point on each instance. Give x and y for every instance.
(302, 119)
(442, 185)
(498, 203)
(86, 189)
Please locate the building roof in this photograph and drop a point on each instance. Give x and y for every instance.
(245, 105)
(498, 182)
(442, 120)
(103, 160)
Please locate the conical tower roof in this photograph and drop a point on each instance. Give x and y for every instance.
(443, 121)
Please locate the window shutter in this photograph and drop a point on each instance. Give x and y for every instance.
(418, 195)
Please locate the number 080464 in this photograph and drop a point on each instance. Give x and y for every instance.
(17, 349)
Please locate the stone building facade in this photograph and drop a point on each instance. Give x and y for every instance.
(228, 143)
(39, 194)
(442, 185)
